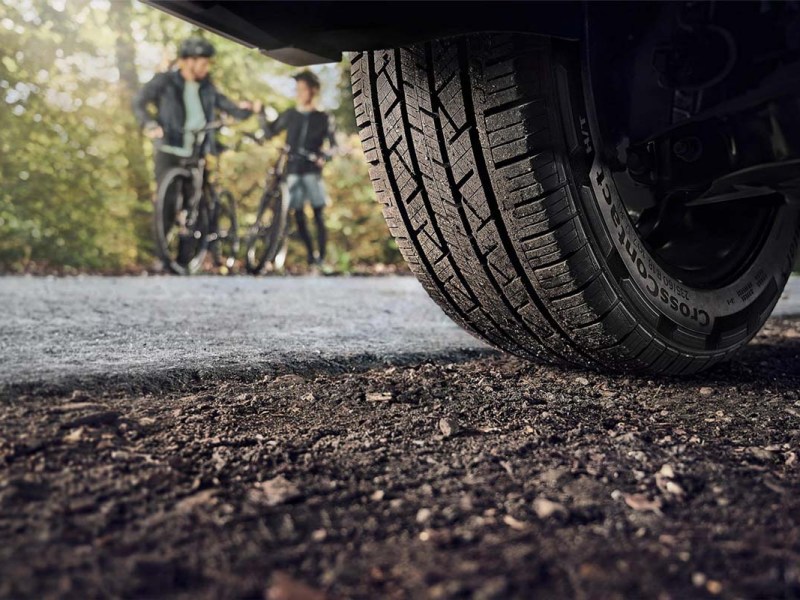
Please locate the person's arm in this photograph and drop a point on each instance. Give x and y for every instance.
(147, 96)
(273, 128)
(331, 135)
(227, 106)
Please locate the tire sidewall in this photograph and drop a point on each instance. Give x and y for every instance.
(730, 314)
(161, 247)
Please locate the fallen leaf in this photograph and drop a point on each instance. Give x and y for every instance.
(514, 523)
(640, 502)
(379, 396)
(283, 587)
(190, 503)
(275, 491)
(70, 406)
(74, 436)
(545, 508)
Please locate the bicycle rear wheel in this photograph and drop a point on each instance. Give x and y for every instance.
(225, 247)
(266, 236)
(181, 224)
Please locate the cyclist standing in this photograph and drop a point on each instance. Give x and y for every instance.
(185, 99)
(307, 129)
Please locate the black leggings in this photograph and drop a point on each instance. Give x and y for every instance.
(322, 234)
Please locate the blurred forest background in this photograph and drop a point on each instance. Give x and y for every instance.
(76, 178)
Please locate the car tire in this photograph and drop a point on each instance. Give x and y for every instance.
(481, 151)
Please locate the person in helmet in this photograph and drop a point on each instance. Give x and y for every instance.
(307, 129)
(174, 103)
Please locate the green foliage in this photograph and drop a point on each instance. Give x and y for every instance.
(75, 173)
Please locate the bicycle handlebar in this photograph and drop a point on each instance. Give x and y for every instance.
(312, 156)
(212, 126)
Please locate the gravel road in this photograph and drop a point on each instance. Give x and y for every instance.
(65, 332)
(363, 472)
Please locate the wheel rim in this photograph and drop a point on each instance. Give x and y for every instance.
(702, 246)
(183, 231)
(667, 154)
(227, 235)
(263, 237)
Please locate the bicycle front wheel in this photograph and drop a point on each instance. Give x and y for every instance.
(265, 237)
(225, 247)
(180, 224)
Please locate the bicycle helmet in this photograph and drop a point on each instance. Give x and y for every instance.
(309, 77)
(196, 47)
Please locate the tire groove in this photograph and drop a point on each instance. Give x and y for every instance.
(483, 258)
(504, 234)
(403, 215)
(452, 183)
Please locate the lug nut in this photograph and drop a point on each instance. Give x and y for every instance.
(688, 149)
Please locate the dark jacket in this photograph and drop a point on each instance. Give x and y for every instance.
(305, 132)
(165, 92)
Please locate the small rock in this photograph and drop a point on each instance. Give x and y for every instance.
(581, 381)
(714, 587)
(377, 495)
(665, 482)
(760, 453)
(78, 396)
(698, 579)
(545, 508)
(552, 476)
(706, 391)
(423, 515)
(449, 427)
(319, 535)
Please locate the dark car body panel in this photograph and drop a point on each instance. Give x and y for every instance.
(302, 33)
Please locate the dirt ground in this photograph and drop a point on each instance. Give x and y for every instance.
(484, 477)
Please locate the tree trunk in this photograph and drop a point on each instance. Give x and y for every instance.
(119, 19)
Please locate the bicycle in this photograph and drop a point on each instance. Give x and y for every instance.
(191, 216)
(267, 236)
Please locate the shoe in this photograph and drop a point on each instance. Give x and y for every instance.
(324, 267)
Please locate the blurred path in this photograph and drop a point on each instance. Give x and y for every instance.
(68, 330)
(55, 329)
(789, 305)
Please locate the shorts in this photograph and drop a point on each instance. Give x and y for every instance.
(306, 187)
